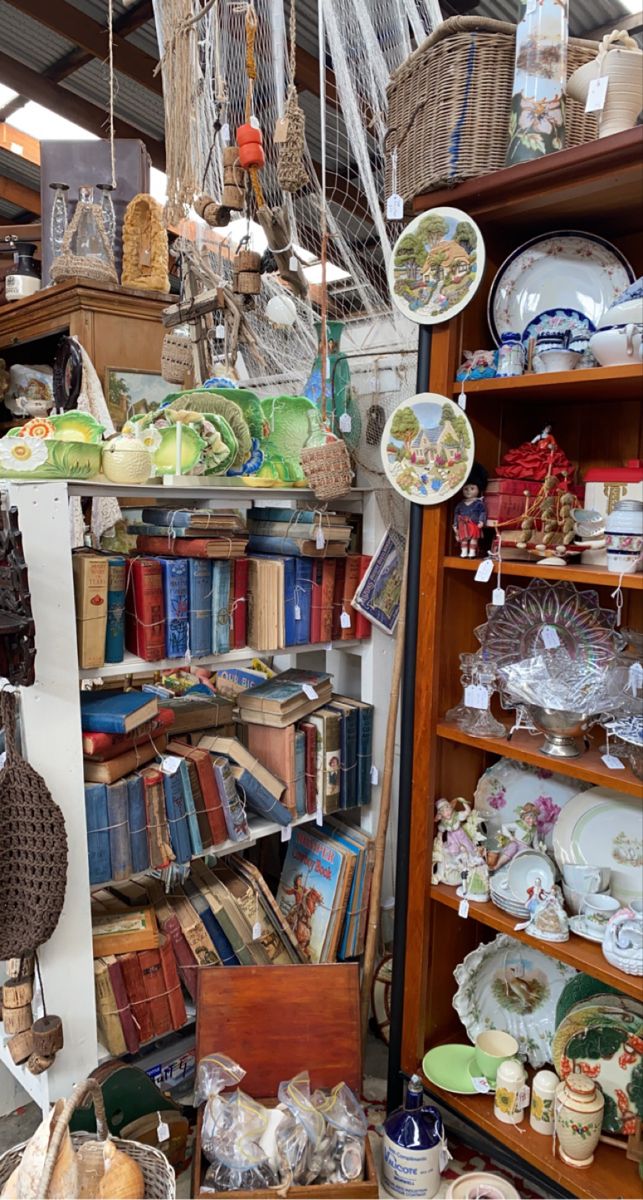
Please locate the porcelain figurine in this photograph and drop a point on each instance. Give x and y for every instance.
(470, 514)
(623, 941)
(548, 919)
(474, 877)
(511, 840)
(456, 841)
(579, 1108)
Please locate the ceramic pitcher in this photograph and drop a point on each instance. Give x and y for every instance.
(578, 1118)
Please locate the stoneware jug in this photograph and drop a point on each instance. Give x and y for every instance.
(623, 67)
(624, 537)
(623, 941)
(578, 1118)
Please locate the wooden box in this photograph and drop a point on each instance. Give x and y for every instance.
(275, 1021)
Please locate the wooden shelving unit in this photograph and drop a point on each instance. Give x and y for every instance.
(597, 419)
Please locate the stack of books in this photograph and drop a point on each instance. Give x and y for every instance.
(286, 698)
(298, 532)
(190, 533)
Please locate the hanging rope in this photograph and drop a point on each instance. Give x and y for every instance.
(251, 72)
(112, 153)
(291, 170)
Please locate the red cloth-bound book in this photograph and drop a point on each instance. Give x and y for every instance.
(351, 581)
(172, 983)
(137, 996)
(310, 733)
(338, 596)
(103, 746)
(156, 991)
(130, 1031)
(240, 604)
(362, 624)
(144, 609)
(316, 599)
(185, 958)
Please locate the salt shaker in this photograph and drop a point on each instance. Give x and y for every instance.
(512, 1093)
(543, 1093)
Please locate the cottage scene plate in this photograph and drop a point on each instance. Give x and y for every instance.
(605, 1041)
(506, 787)
(514, 987)
(436, 266)
(602, 828)
(427, 448)
(565, 269)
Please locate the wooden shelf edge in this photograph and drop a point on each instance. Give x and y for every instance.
(599, 576)
(577, 952)
(525, 747)
(554, 381)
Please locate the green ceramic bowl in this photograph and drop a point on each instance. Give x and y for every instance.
(39, 458)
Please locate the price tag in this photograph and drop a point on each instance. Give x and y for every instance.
(476, 696)
(319, 815)
(345, 423)
(225, 133)
(328, 646)
(550, 637)
(281, 131)
(254, 122)
(613, 763)
(309, 691)
(286, 833)
(375, 776)
(498, 597)
(86, 685)
(444, 1157)
(171, 764)
(480, 1083)
(463, 909)
(256, 931)
(394, 208)
(162, 1131)
(320, 540)
(597, 94)
(220, 332)
(293, 262)
(297, 613)
(345, 620)
(635, 678)
(484, 572)
(462, 400)
(522, 1098)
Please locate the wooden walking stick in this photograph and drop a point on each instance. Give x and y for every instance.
(385, 808)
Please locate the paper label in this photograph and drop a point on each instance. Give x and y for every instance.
(597, 94)
(462, 400)
(498, 597)
(613, 763)
(293, 263)
(319, 815)
(162, 1132)
(225, 134)
(345, 423)
(410, 1172)
(254, 122)
(286, 833)
(320, 540)
(297, 613)
(484, 572)
(476, 696)
(444, 1156)
(170, 764)
(550, 637)
(220, 332)
(463, 909)
(522, 1097)
(375, 776)
(635, 678)
(394, 208)
(480, 1083)
(309, 691)
(256, 931)
(281, 131)
(345, 620)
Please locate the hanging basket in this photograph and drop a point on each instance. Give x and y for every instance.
(176, 357)
(33, 851)
(69, 265)
(291, 172)
(327, 469)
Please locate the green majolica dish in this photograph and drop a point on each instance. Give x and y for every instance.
(40, 458)
(164, 457)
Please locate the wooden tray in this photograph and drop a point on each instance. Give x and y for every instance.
(275, 1021)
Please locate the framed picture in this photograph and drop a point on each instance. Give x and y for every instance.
(130, 392)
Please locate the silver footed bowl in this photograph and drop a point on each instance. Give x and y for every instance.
(563, 730)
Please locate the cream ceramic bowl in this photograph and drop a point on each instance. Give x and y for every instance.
(618, 346)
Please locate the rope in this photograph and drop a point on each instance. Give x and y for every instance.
(112, 152)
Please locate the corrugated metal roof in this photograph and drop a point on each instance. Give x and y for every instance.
(20, 170)
(9, 212)
(132, 102)
(144, 38)
(28, 41)
(584, 15)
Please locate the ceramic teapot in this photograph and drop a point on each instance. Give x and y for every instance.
(623, 941)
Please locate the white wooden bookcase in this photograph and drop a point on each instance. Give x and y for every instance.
(50, 719)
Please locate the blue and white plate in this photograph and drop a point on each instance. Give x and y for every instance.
(569, 321)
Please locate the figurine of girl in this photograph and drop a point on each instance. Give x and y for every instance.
(470, 513)
(453, 840)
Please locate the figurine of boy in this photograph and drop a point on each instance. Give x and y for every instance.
(470, 515)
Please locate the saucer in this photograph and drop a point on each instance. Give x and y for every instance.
(577, 925)
(448, 1068)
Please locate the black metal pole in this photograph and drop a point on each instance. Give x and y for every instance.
(395, 1079)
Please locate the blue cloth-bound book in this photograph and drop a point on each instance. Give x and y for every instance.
(177, 518)
(190, 810)
(348, 750)
(137, 824)
(115, 712)
(200, 606)
(119, 843)
(259, 799)
(100, 863)
(202, 908)
(300, 773)
(115, 632)
(177, 817)
(303, 593)
(364, 752)
(175, 596)
(260, 543)
(221, 605)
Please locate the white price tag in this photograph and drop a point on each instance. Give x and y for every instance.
(293, 262)
(394, 208)
(319, 815)
(522, 1099)
(375, 776)
(635, 678)
(345, 620)
(309, 691)
(480, 1083)
(485, 571)
(171, 764)
(498, 597)
(550, 637)
(225, 133)
(463, 909)
(345, 423)
(256, 931)
(613, 763)
(286, 833)
(220, 332)
(476, 696)
(254, 122)
(328, 646)
(444, 1157)
(462, 400)
(297, 613)
(162, 1131)
(597, 94)
(320, 540)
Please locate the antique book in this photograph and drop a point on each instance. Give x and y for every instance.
(197, 547)
(292, 605)
(194, 931)
(196, 844)
(158, 834)
(310, 765)
(303, 599)
(348, 753)
(282, 929)
(299, 516)
(172, 982)
(275, 750)
(110, 1028)
(122, 764)
(364, 714)
(229, 916)
(177, 820)
(118, 933)
(145, 609)
(286, 693)
(300, 772)
(186, 519)
(130, 1029)
(355, 921)
(91, 575)
(240, 604)
(192, 713)
(296, 531)
(347, 616)
(137, 824)
(233, 807)
(266, 616)
(310, 893)
(200, 901)
(186, 959)
(338, 601)
(115, 712)
(363, 626)
(208, 804)
(321, 604)
(262, 789)
(200, 606)
(264, 544)
(137, 995)
(175, 598)
(329, 760)
(221, 606)
(119, 836)
(115, 632)
(246, 910)
(156, 991)
(100, 863)
(103, 746)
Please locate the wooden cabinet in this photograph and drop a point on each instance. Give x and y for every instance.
(597, 418)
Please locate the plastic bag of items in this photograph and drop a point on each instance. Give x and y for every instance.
(336, 1129)
(232, 1129)
(30, 392)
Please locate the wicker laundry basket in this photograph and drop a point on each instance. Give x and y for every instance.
(449, 105)
(159, 1177)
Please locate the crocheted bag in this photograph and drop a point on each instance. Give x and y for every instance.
(33, 850)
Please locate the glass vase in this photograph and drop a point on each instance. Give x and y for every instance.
(537, 120)
(86, 240)
(107, 209)
(58, 221)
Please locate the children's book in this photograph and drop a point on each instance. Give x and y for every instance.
(115, 634)
(310, 893)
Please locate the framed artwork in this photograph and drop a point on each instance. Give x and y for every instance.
(130, 392)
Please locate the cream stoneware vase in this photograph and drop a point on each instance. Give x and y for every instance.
(578, 1116)
(623, 67)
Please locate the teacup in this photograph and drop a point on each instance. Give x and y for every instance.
(493, 1047)
(595, 911)
(586, 879)
(550, 358)
(574, 899)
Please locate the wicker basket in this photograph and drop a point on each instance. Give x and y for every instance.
(160, 1180)
(176, 357)
(449, 105)
(327, 469)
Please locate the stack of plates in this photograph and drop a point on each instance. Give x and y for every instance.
(503, 897)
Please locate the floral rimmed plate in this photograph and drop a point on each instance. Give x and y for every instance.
(564, 269)
(507, 985)
(507, 787)
(602, 828)
(436, 266)
(427, 448)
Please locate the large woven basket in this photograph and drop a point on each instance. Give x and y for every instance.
(160, 1180)
(449, 105)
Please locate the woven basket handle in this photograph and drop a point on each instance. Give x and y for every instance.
(88, 1089)
(8, 706)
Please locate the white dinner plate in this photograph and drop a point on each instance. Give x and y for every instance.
(604, 829)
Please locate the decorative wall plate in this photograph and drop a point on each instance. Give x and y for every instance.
(510, 986)
(427, 448)
(604, 1040)
(563, 269)
(506, 786)
(436, 266)
(603, 829)
(513, 631)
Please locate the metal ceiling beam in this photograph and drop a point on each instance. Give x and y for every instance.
(307, 77)
(89, 36)
(23, 197)
(20, 78)
(631, 24)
